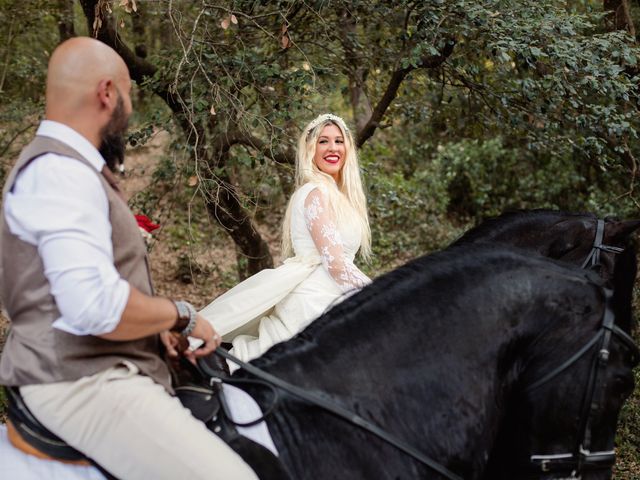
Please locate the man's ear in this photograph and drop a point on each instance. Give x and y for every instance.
(106, 93)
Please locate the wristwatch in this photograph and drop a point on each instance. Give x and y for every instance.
(186, 321)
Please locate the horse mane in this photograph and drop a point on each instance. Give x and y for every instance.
(494, 226)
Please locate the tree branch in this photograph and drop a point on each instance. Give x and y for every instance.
(14, 138)
(226, 208)
(139, 68)
(106, 33)
(391, 91)
(286, 157)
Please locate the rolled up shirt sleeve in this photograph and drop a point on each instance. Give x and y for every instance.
(59, 205)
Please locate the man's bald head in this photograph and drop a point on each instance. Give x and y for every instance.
(77, 66)
(85, 80)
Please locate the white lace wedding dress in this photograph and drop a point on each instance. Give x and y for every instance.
(275, 304)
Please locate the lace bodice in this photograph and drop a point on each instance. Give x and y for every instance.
(316, 231)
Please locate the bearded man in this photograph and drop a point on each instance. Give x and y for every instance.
(87, 335)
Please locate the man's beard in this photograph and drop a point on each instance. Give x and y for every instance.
(113, 141)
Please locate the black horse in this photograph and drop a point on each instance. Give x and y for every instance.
(440, 353)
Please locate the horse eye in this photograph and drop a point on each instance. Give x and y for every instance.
(559, 250)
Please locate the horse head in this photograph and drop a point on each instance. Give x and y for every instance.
(604, 246)
(570, 394)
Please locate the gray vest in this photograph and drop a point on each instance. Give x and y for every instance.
(37, 353)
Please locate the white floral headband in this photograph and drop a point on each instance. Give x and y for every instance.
(320, 119)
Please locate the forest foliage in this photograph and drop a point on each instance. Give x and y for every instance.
(462, 109)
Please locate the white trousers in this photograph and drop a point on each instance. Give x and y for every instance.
(133, 428)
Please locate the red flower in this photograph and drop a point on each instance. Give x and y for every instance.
(146, 224)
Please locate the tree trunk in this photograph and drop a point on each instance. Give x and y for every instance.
(64, 17)
(7, 57)
(139, 23)
(619, 17)
(356, 73)
(224, 208)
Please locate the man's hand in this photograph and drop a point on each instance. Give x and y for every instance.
(205, 332)
(175, 343)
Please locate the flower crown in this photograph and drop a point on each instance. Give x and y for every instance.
(323, 118)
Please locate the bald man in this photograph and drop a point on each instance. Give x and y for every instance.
(87, 334)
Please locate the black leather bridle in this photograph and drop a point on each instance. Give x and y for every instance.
(593, 259)
(581, 458)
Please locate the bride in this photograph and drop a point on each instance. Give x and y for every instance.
(326, 223)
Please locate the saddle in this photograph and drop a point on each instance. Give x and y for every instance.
(30, 436)
(200, 393)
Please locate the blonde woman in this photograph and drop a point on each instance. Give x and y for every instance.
(325, 225)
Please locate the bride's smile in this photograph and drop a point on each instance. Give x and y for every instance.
(330, 151)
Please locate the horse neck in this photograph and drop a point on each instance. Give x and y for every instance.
(383, 336)
(378, 377)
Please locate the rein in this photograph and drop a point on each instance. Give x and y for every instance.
(326, 404)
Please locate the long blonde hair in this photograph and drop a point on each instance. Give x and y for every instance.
(346, 197)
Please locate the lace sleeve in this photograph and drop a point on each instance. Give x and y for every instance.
(328, 241)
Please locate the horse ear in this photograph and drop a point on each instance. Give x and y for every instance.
(619, 231)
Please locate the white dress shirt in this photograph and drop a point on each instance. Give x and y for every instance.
(59, 205)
